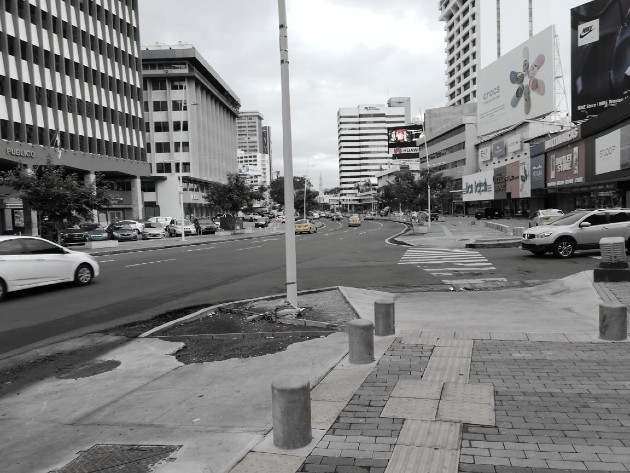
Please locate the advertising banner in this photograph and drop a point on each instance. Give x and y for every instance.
(537, 173)
(485, 154)
(498, 149)
(518, 86)
(500, 183)
(478, 186)
(402, 141)
(612, 151)
(566, 165)
(524, 178)
(511, 179)
(600, 40)
(514, 143)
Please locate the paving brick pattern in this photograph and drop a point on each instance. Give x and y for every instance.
(360, 441)
(560, 407)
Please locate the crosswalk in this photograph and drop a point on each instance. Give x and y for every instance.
(453, 266)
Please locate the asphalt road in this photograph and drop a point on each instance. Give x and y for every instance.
(136, 286)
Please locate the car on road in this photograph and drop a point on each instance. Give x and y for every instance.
(120, 232)
(175, 227)
(207, 225)
(137, 226)
(545, 217)
(354, 221)
(488, 212)
(305, 226)
(577, 230)
(336, 216)
(27, 262)
(261, 222)
(95, 232)
(249, 216)
(153, 230)
(72, 235)
(369, 216)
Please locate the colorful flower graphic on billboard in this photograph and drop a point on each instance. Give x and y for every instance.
(527, 74)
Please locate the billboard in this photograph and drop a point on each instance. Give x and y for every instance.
(402, 141)
(518, 86)
(517, 176)
(612, 151)
(600, 40)
(478, 186)
(566, 165)
(537, 172)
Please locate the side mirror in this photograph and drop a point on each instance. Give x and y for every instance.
(585, 224)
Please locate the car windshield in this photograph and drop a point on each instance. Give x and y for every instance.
(551, 212)
(301, 222)
(123, 227)
(153, 225)
(186, 222)
(570, 218)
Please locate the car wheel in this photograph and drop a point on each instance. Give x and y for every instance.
(83, 275)
(564, 248)
(538, 252)
(3, 290)
(135, 237)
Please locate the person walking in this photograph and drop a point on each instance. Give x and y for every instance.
(195, 222)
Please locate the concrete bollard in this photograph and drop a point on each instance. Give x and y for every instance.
(291, 411)
(384, 318)
(361, 341)
(613, 322)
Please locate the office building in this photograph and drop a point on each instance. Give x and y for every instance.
(249, 130)
(70, 92)
(255, 168)
(362, 141)
(190, 115)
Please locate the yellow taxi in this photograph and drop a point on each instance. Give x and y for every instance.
(354, 221)
(305, 226)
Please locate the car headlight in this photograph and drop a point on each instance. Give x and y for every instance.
(545, 234)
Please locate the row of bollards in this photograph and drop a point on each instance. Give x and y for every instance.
(291, 395)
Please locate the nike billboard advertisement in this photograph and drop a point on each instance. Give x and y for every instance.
(600, 56)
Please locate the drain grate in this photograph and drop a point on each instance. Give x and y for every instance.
(107, 458)
(90, 369)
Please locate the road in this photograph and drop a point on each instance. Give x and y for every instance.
(140, 285)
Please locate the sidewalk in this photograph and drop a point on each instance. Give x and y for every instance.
(512, 380)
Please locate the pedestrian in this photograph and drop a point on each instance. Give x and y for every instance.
(195, 222)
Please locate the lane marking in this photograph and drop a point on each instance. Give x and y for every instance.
(107, 261)
(150, 262)
(248, 248)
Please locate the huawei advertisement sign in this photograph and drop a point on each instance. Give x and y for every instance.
(518, 86)
(600, 44)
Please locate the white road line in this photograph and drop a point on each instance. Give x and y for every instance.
(107, 261)
(149, 262)
(459, 269)
(248, 248)
(472, 281)
(203, 249)
(270, 239)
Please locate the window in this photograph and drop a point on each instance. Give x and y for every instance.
(178, 85)
(179, 105)
(162, 147)
(159, 84)
(161, 127)
(39, 247)
(619, 217)
(596, 219)
(180, 126)
(184, 146)
(11, 247)
(160, 106)
(163, 168)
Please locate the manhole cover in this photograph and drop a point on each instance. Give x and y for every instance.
(90, 369)
(119, 458)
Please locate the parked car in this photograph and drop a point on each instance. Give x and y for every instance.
(207, 226)
(369, 216)
(122, 232)
(488, 212)
(261, 222)
(354, 221)
(305, 226)
(27, 262)
(153, 230)
(137, 226)
(72, 235)
(175, 227)
(249, 217)
(336, 216)
(545, 217)
(577, 230)
(94, 232)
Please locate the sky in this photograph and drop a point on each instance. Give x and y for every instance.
(342, 53)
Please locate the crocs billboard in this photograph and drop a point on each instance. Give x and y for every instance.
(600, 49)
(518, 86)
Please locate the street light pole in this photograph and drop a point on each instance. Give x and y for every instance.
(426, 151)
(181, 158)
(289, 196)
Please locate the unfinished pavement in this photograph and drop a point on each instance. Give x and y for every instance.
(560, 395)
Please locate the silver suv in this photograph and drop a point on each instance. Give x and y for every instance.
(578, 230)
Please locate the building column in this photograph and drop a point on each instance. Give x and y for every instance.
(137, 206)
(88, 180)
(31, 226)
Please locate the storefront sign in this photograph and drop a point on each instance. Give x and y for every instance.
(22, 153)
(611, 151)
(565, 166)
(537, 172)
(512, 177)
(485, 154)
(571, 135)
(478, 186)
(524, 178)
(499, 178)
(498, 149)
(514, 144)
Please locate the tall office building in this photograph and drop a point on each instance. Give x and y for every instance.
(463, 58)
(255, 168)
(70, 92)
(249, 130)
(190, 115)
(362, 141)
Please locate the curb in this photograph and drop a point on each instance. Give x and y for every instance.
(494, 244)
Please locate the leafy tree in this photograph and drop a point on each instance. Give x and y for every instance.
(57, 194)
(408, 193)
(234, 195)
(276, 192)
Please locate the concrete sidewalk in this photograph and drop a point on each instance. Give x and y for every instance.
(511, 380)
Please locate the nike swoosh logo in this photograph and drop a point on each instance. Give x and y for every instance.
(586, 31)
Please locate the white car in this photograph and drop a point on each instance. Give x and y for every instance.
(163, 220)
(545, 217)
(175, 228)
(27, 262)
(137, 226)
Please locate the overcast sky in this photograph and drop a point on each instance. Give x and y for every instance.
(342, 53)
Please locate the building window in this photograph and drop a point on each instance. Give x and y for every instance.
(178, 85)
(179, 105)
(159, 84)
(160, 127)
(184, 146)
(162, 147)
(160, 106)
(162, 168)
(180, 126)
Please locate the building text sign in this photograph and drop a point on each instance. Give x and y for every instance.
(478, 186)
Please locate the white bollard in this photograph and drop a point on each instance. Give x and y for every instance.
(291, 411)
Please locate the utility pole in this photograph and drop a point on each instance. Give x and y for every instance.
(289, 204)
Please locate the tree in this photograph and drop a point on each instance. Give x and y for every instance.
(234, 195)
(276, 192)
(57, 195)
(406, 192)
